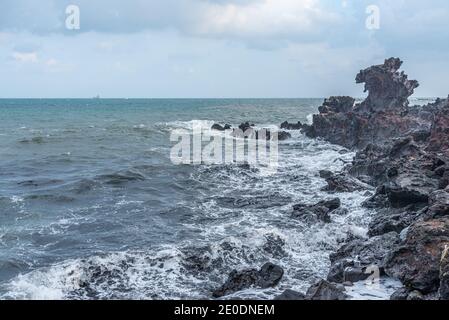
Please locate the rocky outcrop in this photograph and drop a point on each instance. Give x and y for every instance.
(417, 261)
(439, 139)
(321, 211)
(390, 220)
(439, 204)
(388, 89)
(341, 182)
(268, 276)
(324, 290)
(247, 130)
(290, 295)
(380, 117)
(219, 127)
(282, 135)
(337, 105)
(291, 126)
(354, 260)
(404, 153)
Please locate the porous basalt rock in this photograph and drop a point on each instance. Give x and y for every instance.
(417, 261)
(268, 276)
(325, 290)
(388, 89)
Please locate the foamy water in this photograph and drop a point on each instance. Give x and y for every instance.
(100, 212)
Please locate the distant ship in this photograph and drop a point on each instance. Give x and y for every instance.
(97, 97)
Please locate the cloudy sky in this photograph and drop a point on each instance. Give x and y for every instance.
(216, 48)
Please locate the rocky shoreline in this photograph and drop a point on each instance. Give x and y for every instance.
(402, 154)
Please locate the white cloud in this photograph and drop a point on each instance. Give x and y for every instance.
(25, 57)
(252, 20)
(263, 18)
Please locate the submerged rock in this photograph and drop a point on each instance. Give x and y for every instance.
(268, 276)
(325, 290)
(282, 135)
(274, 246)
(247, 130)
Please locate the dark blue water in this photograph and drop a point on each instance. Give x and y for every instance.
(92, 207)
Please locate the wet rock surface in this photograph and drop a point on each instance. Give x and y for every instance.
(219, 127)
(322, 210)
(325, 290)
(291, 126)
(290, 295)
(402, 156)
(403, 153)
(416, 262)
(341, 182)
(379, 118)
(359, 258)
(268, 276)
(388, 88)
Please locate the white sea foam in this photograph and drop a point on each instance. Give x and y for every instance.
(382, 290)
(235, 237)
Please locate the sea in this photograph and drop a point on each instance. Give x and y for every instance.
(92, 207)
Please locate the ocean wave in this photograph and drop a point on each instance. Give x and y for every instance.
(122, 177)
(241, 218)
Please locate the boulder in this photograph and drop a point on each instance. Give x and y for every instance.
(274, 245)
(321, 210)
(341, 182)
(417, 261)
(439, 203)
(389, 220)
(290, 295)
(378, 200)
(282, 135)
(246, 126)
(352, 260)
(415, 295)
(410, 187)
(219, 127)
(400, 294)
(325, 290)
(291, 126)
(268, 276)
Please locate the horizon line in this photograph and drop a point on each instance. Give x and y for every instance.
(194, 98)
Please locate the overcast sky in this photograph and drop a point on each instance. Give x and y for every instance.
(216, 48)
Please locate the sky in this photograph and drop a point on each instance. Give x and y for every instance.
(216, 48)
